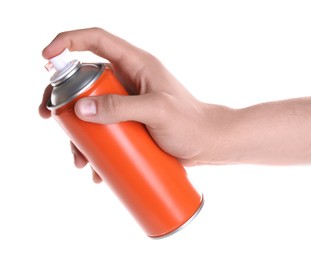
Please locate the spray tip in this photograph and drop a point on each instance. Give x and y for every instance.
(63, 66)
(49, 66)
(58, 62)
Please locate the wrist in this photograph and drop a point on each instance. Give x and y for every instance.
(220, 142)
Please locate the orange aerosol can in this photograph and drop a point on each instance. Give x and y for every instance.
(152, 184)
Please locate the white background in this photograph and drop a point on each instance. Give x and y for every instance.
(234, 53)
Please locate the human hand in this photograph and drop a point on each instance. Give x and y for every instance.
(174, 118)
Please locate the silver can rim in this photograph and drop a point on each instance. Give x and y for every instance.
(49, 104)
(196, 213)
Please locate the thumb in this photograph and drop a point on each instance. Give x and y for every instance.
(110, 109)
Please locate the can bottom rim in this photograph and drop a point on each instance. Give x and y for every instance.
(183, 225)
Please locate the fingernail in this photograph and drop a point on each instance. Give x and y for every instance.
(87, 107)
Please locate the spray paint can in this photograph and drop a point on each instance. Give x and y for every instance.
(151, 184)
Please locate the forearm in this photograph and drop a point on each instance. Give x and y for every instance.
(274, 133)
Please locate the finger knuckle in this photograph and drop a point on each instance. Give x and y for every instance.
(96, 29)
(109, 108)
(61, 35)
(164, 104)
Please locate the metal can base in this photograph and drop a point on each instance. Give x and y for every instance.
(183, 225)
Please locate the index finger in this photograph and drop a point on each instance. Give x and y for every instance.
(96, 40)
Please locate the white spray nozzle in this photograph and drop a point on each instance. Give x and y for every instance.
(64, 67)
(58, 62)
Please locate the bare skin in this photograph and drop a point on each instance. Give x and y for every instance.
(273, 133)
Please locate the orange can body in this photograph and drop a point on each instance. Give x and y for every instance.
(152, 184)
